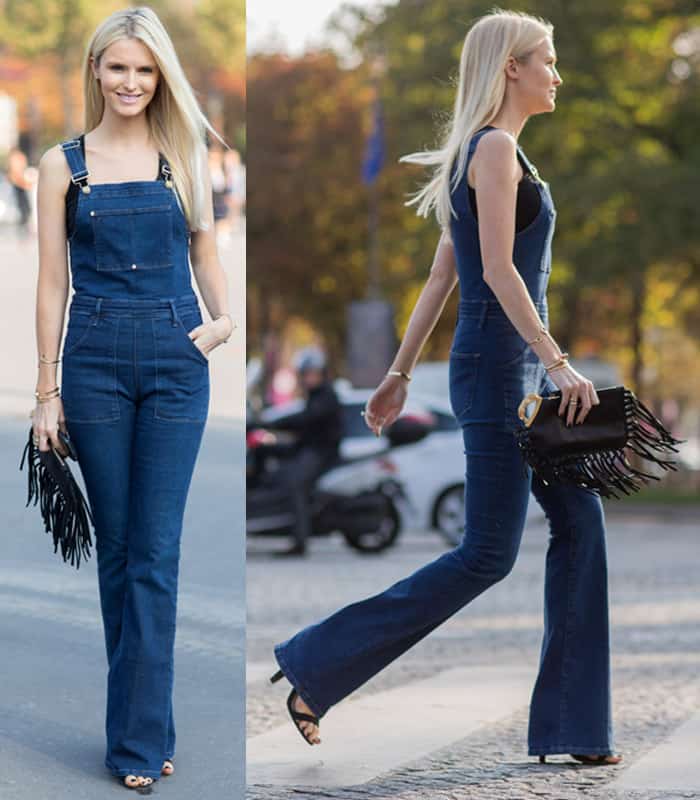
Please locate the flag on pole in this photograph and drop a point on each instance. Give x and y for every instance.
(374, 149)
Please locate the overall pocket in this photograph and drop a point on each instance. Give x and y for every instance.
(79, 328)
(133, 238)
(182, 372)
(89, 370)
(463, 375)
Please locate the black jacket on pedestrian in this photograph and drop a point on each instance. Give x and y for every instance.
(319, 424)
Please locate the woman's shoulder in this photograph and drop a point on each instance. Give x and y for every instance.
(54, 169)
(495, 143)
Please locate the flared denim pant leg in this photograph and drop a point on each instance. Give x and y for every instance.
(136, 397)
(570, 706)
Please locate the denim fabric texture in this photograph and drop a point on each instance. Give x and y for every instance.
(491, 369)
(135, 392)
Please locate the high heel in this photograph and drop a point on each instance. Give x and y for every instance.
(297, 716)
(277, 676)
(593, 760)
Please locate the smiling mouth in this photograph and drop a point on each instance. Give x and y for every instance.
(129, 96)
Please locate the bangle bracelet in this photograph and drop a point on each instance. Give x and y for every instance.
(539, 338)
(560, 359)
(558, 366)
(44, 397)
(399, 373)
(43, 360)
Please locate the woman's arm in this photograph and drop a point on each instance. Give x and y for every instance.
(210, 277)
(496, 175)
(387, 401)
(52, 289)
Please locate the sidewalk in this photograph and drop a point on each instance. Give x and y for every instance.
(449, 719)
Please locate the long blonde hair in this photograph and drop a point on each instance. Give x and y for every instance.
(480, 93)
(177, 124)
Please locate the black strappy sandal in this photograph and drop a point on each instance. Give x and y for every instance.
(297, 716)
(172, 767)
(598, 761)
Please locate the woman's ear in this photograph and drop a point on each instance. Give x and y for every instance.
(511, 68)
(93, 67)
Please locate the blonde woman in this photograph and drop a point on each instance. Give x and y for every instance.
(497, 218)
(131, 199)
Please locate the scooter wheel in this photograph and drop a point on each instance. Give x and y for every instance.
(384, 535)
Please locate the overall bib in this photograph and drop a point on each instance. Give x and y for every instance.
(135, 393)
(491, 369)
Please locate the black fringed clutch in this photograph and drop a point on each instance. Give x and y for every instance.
(592, 455)
(63, 507)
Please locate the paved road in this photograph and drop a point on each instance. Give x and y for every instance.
(53, 669)
(458, 700)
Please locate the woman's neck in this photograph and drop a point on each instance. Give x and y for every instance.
(511, 119)
(121, 132)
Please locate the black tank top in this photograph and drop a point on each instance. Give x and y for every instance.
(73, 189)
(528, 200)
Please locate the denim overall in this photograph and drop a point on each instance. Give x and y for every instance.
(491, 369)
(135, 393)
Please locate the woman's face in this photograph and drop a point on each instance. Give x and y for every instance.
(128, 76)
(538, 79)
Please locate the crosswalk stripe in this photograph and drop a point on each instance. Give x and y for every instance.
(671, 766)
(371, 735)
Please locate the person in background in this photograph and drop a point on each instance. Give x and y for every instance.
(18, 179)
(319, 430)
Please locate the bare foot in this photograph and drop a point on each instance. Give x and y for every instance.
(168, 767)
(309, 729)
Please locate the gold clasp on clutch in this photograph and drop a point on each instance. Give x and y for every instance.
(529, 398)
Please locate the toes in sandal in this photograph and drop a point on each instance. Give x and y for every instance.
(297, 716)
(611, 759)
(141, 783)
(168, 767)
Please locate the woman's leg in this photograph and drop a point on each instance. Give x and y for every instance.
(328, 660)
(139, 714)
(571, 706)
(104, 456)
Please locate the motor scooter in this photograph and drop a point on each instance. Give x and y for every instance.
(359, 497)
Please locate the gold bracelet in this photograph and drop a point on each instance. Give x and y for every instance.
(43, 360)
(560, 363)
(399, 373)
(44, 397)
(559, 359)
(559, 366)
(538, 338)
(233, 325)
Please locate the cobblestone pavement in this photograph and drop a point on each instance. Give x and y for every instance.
(655, 610)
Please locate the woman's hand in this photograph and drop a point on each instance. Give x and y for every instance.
(211, 334)
(574, 386)
(47, 418)
(385, 404)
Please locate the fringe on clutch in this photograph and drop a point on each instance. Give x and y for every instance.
(608, 471)
(63, 507)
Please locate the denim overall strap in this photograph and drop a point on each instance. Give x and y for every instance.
(76, 162)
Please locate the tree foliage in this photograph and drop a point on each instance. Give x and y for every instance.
(621, 153)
